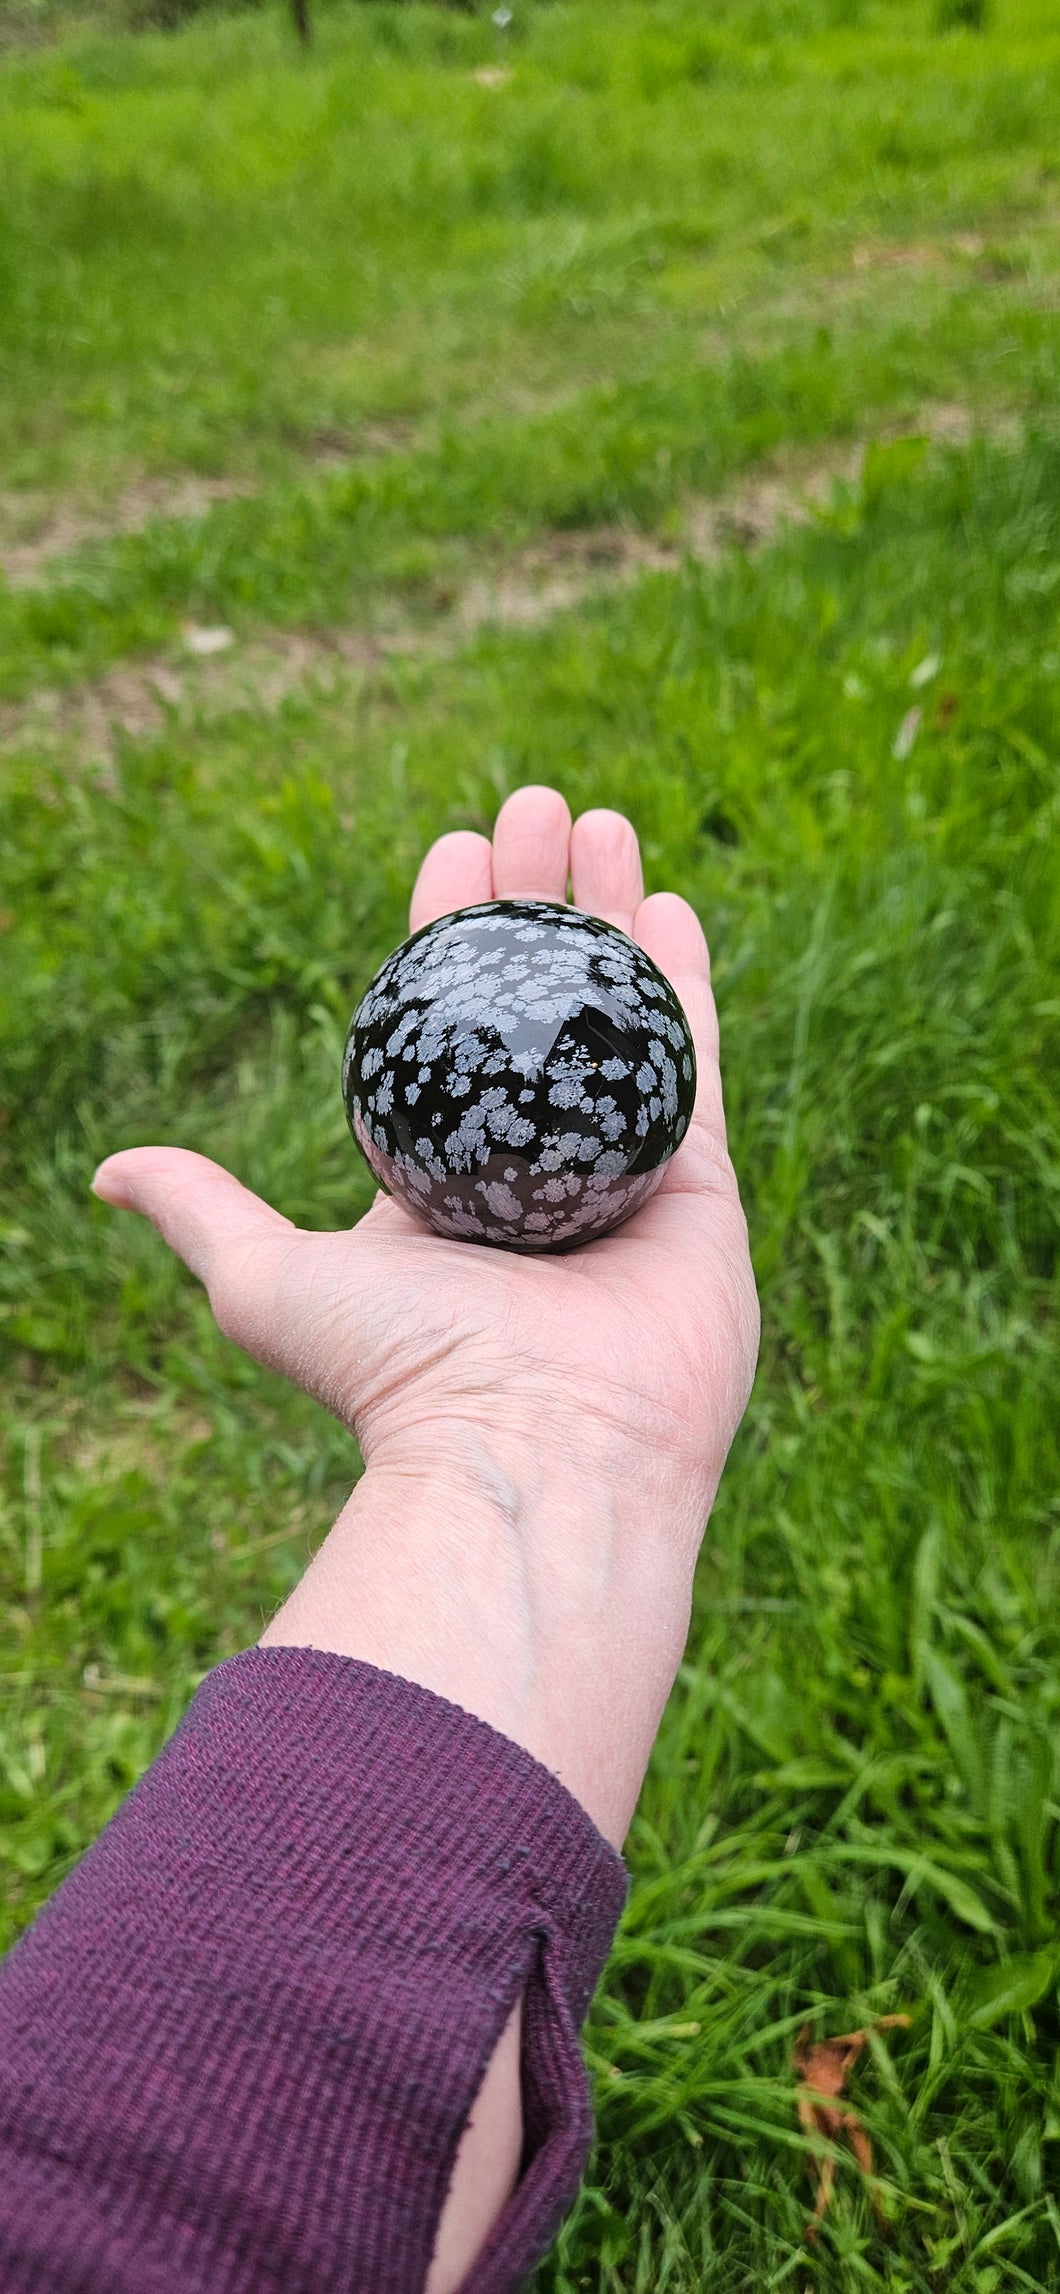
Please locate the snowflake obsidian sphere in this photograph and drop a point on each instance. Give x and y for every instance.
(519, 1074)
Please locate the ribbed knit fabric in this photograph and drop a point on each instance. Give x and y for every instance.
(239, 2046)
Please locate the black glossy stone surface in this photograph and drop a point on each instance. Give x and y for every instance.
(519, 1074)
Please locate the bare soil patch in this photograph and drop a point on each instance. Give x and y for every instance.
(36, 531)
(258, 673)
(33, 530)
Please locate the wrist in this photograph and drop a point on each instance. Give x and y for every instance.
(541, 1586)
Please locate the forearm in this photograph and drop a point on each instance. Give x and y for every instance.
(504, 1577)
(516, 1580)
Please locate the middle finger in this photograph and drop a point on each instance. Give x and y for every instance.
(531, 846)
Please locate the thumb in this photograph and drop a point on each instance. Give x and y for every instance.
(219, 1229)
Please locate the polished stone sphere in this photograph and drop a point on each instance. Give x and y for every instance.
(519, 1074)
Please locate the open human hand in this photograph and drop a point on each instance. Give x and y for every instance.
(542, 1436)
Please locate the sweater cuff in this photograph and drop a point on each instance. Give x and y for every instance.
(240, 2045)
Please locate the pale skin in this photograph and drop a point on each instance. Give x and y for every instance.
(542, 1437)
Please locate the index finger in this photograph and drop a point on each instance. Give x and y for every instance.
(457, 872)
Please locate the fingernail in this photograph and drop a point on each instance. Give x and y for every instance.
(108, 1188)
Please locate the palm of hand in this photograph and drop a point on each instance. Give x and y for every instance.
(649, 1331)
(649, 1335)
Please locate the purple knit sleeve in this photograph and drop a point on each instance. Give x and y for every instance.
(239, 2046)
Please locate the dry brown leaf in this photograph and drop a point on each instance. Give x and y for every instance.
(823, 2066)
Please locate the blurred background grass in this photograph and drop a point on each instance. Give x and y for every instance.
(452, 382)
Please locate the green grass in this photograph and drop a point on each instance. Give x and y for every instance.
(218, 253)
(578, 299)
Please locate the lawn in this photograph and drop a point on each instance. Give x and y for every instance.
(453, 382)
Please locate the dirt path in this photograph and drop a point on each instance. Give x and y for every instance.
(36, 531)
(213, 673)
(33, 533)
